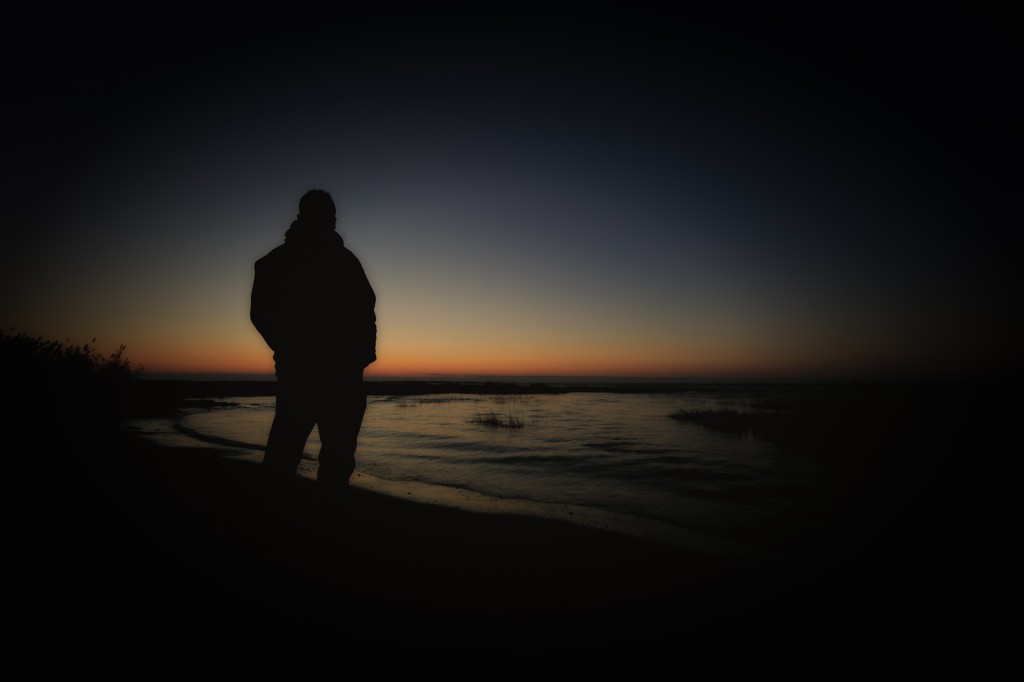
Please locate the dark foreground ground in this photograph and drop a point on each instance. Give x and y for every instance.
(121, 549)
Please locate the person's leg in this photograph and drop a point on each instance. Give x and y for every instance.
(339, 420)
(294, 417)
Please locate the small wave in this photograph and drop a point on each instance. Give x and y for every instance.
(530, 460)
(629, 447)
(216, 440)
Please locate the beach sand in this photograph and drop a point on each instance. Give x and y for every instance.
(187, 541)
(137, 549)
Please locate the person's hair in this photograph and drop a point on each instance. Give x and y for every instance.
(316, 205)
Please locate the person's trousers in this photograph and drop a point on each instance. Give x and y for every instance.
(335, 406)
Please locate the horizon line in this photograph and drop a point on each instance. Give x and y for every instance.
(543, 378)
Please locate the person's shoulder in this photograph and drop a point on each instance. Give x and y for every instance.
(275, 254)
(341, 249)
(351, 259)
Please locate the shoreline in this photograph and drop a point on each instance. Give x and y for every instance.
(147, 397)
(162, 433)
(266, 387)
(152, 540)
(150, 397)
(161, 535)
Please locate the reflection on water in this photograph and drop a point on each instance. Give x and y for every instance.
(607, 459)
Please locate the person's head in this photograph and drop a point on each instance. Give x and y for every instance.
(316, 207)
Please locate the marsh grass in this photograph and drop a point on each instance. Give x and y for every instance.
(506, 421)
(728, 420)
(429, 400)
(63, 389)
(849, 426)
(511, 399)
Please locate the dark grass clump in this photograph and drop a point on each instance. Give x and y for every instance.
(61, 387)
(404, 401)
(496, 420)
(849, 427)
(810, 425)
(758, 424)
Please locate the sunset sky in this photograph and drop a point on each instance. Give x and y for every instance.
(734, 191)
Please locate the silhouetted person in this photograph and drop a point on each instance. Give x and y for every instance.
(313, 305)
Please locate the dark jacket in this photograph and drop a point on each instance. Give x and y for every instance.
(314, 306)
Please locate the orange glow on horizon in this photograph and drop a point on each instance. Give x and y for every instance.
(419, 354)
(259, 361)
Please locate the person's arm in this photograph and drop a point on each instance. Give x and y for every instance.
(371, 323)
(262, 307)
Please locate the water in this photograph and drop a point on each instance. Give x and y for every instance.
(609, 460)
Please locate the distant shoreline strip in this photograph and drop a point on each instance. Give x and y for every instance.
(192, 388)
